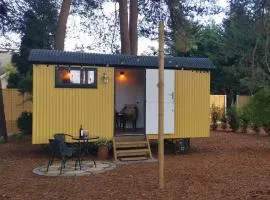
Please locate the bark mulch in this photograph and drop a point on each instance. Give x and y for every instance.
(224, 166)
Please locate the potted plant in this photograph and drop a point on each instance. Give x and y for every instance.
(103, 148)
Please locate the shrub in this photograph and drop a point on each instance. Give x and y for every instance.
(256, 128)
(24, 122)
(257, 111)
(245, 124)
(266, 128)
(245, 118)
(26, 84)
(224, 121)
(2, 140)
(215, 116)
(233, 118)
(13, 80)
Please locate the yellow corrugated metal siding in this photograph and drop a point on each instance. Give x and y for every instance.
(57, 110)
(192, 96)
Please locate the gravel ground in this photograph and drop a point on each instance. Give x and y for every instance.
(224, 166)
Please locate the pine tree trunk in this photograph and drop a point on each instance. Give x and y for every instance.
(177, 25)
(3, 128)
(133, 30)
(124, 32)
(62, 24)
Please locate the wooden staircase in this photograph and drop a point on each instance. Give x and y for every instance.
(130, 147)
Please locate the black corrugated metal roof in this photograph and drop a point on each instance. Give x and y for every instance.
(41, 56)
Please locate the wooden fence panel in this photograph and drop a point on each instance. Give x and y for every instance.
(241, 101)
(218, 100)
(15, 103)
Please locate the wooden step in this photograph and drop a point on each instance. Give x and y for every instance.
(135, 147)
(132, 152)
(127, 138)
(130, 144)
(134, 158)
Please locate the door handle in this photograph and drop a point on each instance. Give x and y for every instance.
(172, 95)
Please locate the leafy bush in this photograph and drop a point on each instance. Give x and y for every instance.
(216, 113)
(233, 118)
(24, 122)
(257, 111)
(267, 128)
(256, 128)
(245, 118)
(13, 80)
(223, 120)
(26, 84)
(245, 124)
(2, 140)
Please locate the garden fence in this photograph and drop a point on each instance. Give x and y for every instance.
(241, 101)
(15, 103)
(218, 100)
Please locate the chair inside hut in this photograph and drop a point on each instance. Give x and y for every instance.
(129, 101)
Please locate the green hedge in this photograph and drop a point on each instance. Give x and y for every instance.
(257, 111)
(24, 122)
(233, 118)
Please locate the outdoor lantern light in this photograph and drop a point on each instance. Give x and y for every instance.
(105, 78)
(122, 75)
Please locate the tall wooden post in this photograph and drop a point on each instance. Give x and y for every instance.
(3, 128)
(161, 106)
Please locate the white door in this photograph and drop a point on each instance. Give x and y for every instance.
(152, 101)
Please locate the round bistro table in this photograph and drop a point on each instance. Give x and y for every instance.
(83, 145)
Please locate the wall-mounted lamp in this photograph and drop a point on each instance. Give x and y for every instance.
(105, 78)
(122, 75)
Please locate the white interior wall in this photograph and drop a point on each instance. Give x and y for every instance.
(130, 90)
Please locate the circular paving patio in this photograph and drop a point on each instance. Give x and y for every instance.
(88, 168)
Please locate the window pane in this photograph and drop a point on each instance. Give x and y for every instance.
(91, 77)
(63, 76)
(75, 76)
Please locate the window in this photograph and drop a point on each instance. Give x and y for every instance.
(75, 77)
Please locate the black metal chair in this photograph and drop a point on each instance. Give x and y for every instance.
(130, 114)
(60, 148)
(80, 147)
(63, 137)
